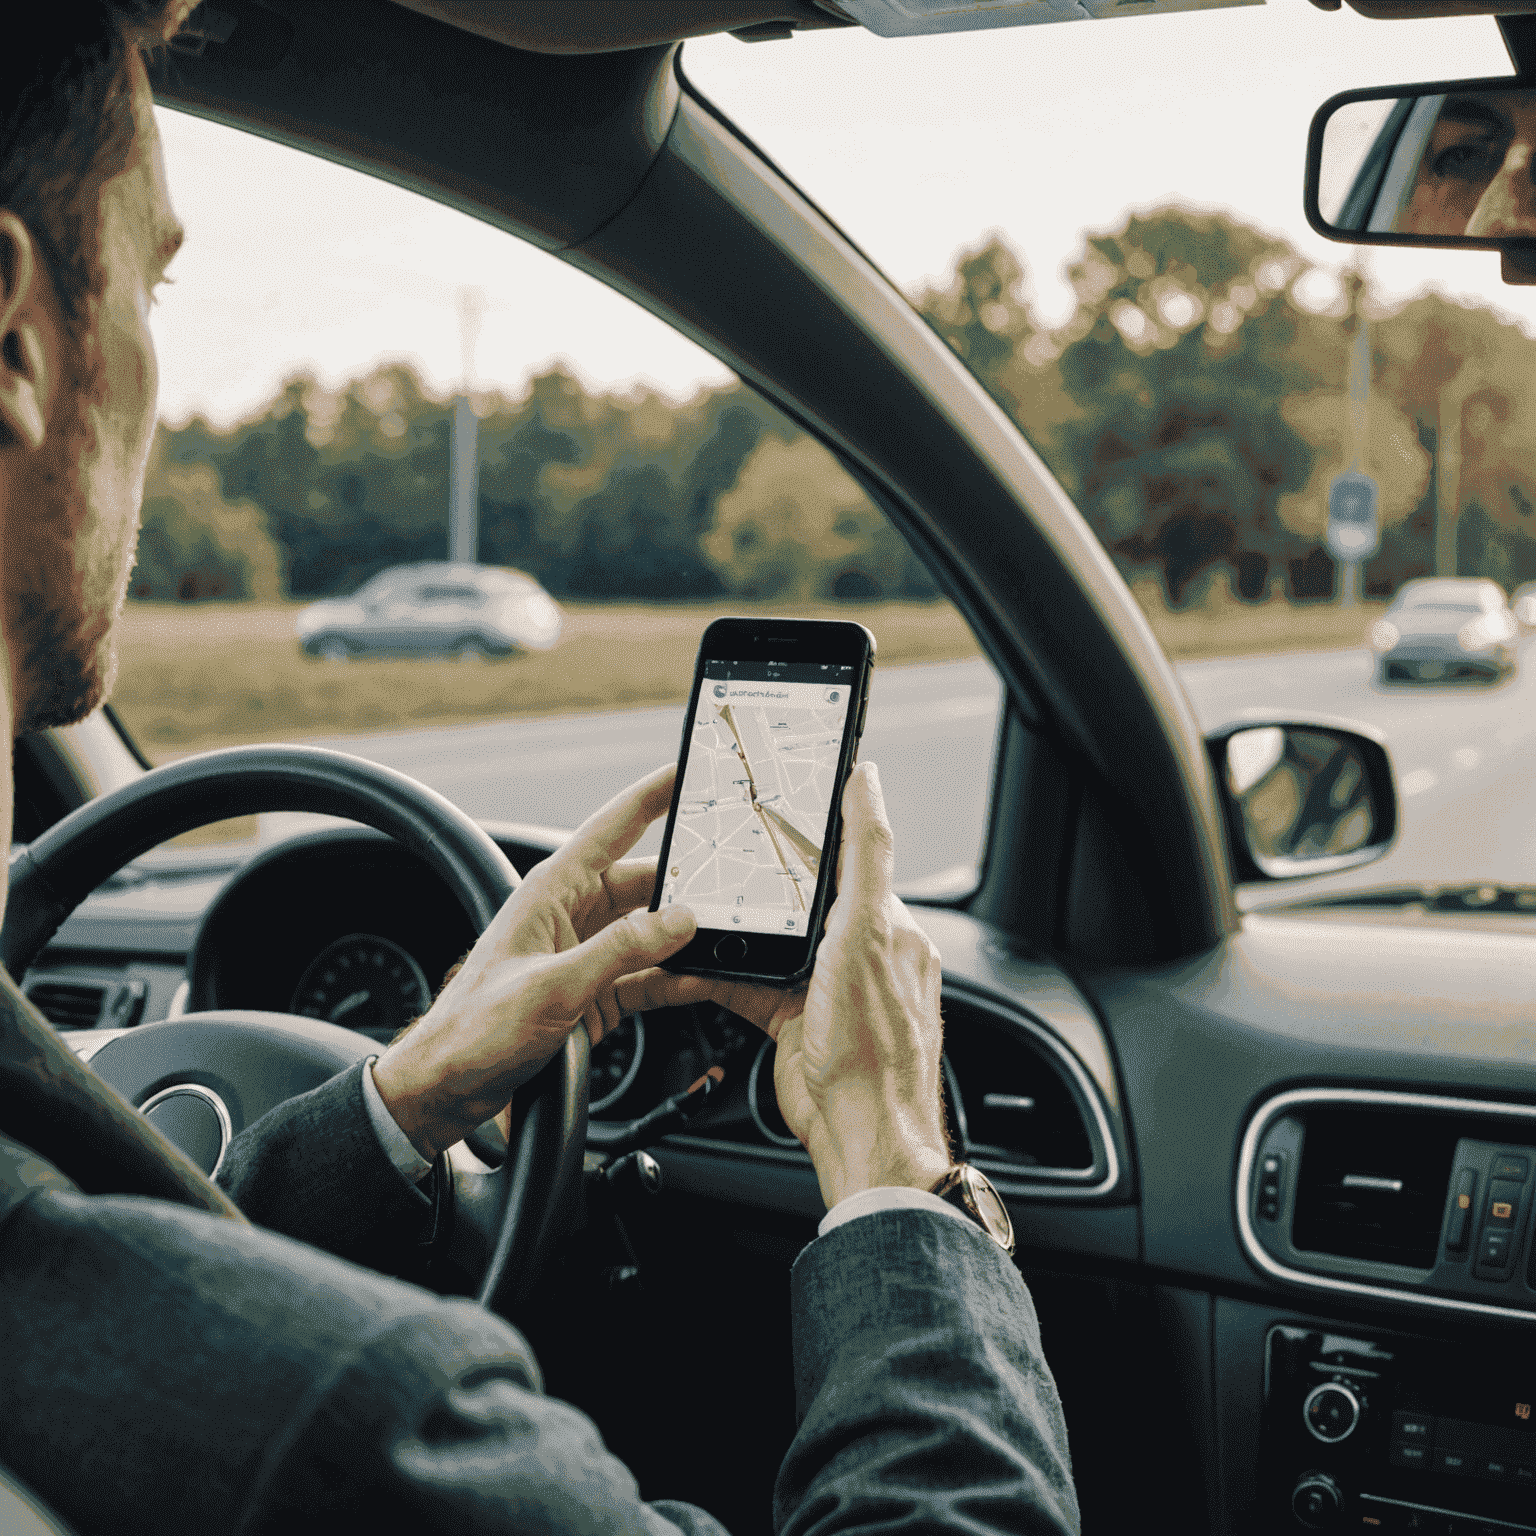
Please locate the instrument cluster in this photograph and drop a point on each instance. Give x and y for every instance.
(654, 1055)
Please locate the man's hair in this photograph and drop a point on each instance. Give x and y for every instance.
(67, 127)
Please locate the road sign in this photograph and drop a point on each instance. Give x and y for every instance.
(1353, 530)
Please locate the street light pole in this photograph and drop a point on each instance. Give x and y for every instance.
(464, 489)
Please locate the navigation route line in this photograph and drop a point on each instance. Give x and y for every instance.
(741, 752)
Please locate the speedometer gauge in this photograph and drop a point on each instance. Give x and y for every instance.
(365, 983)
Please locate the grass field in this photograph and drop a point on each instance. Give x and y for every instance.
(212, 675)
(191, 678)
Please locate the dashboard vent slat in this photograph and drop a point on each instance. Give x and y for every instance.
(68, 1004)
(1019, 1112)
(1373, 1186)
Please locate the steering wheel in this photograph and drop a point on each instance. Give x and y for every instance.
(72, 1115)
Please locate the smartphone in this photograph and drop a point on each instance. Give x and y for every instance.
(773, 725)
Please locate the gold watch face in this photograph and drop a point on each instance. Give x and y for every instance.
(989, 1206)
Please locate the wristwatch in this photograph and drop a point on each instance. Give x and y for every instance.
(968, 1189)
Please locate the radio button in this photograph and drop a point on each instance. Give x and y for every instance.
(1493, 1254)
(1331, 1412)
(1316, 1501)
(1416, 1427)
(1503, 1203)
(1406, 1453)
(1455, 1463)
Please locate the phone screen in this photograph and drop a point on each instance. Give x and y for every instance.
(758, 781)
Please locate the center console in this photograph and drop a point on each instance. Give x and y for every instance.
(1387, 1433)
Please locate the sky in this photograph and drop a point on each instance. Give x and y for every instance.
(917, 147)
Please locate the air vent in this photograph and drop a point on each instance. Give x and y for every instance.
(1019, 1113)
(68, 1004)
(1373, 1186)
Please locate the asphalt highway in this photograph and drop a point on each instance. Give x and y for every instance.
(929, 728)
(1463, 760)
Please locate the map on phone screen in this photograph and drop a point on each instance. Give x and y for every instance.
(757, 791)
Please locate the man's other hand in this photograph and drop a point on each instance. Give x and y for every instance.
(572, 945)
(858, 1062)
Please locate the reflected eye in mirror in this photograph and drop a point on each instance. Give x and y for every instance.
(1442, 165)
(1303, 800)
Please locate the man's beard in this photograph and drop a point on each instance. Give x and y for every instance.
(60, 618)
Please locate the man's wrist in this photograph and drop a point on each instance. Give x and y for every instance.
(397, 1146)
(916, 1168)
(405, 1107)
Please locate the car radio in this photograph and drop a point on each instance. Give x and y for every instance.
(1390, 1434)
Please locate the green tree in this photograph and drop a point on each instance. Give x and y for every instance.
(983, 312)
(194, 544)
(797, 527)
(1185, 340)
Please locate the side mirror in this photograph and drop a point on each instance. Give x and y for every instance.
(1446, 164)
(1302, 799)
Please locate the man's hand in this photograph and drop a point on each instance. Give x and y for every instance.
(572, 945)
(857, 1072)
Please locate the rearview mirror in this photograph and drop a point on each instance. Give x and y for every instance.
(1302, 799)
(1437, 165)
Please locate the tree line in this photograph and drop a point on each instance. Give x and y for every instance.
(1195, 406)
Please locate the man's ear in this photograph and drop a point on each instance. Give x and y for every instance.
(26, 374)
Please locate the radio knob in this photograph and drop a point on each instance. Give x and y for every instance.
(1317, 1502)
(1331, 1412)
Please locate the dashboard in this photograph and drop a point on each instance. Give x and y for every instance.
(346, 925)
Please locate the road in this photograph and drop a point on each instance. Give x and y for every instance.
(930, 729)
(1464, 759)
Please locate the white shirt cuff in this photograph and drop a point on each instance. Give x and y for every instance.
(889, 1198)
(396, 1144)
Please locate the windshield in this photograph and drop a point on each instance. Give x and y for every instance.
(1105, 222)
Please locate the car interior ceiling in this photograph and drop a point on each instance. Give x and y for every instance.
(575, 128)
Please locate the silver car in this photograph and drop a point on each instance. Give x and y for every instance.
(1447, 629)
(1522, 604)
(434, 609)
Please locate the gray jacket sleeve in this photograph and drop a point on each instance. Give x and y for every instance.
(166, 1371)
(924, 1399)
(313, 1169)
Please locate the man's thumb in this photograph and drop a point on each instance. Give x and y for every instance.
(636, 941)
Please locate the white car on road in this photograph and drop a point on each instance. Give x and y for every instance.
(434, 609)
(1447, 629)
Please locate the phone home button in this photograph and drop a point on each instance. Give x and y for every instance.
(730, 949)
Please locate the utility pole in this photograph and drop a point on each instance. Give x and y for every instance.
(1453, 401)
(1359, 418)
(1353, 497)
(464, 480)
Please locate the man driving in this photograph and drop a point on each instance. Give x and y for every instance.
(167, 1370)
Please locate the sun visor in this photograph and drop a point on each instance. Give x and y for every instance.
(915, 18)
